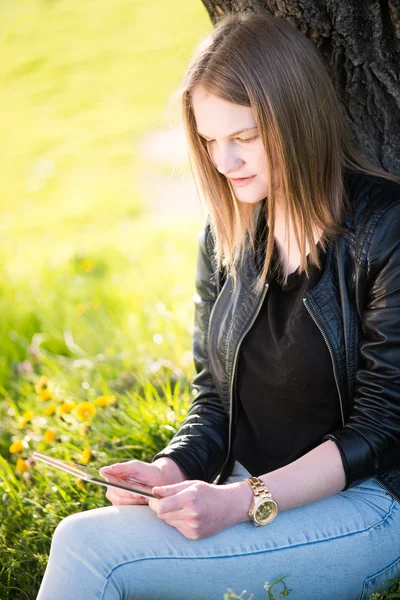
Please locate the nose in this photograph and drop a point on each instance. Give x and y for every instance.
(226, 160)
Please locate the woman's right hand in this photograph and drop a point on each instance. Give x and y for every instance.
(163, 471)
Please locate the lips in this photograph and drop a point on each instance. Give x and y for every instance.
(241, 180)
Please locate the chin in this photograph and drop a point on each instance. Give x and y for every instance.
(248, 201)
(251, 198)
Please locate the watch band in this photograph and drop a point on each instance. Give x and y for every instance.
(259, 488)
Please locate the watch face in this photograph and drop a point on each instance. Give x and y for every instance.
(266, 511)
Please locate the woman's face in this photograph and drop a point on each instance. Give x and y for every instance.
(233, 143)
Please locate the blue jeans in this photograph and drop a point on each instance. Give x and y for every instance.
(343, 547)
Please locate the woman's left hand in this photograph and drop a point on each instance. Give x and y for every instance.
(198, 509)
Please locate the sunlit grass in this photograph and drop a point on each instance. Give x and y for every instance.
(95, 295)
(81, 82)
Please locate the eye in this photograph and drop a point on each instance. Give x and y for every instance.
(248, 140)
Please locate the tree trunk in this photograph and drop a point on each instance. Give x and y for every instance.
(360, 41)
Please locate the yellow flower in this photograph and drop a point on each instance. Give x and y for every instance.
(26, 417)
(65, 407)
(86, 456)
(41, 384)
(49, 436)
(85, 410)
(50, 410)
(115, 440)
(84, 428)
(22, 465)
(80, 308)
(16, 447)
(87, 265)
(105, 400)
(45, 395)
(79, 483)
(43, 388)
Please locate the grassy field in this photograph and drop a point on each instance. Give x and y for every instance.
(96, 292)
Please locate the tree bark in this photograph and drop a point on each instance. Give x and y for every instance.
(360, 42)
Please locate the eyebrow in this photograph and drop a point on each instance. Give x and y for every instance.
(232, 134)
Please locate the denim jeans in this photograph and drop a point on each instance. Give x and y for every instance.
(343, 547)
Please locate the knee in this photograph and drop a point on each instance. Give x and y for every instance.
(68, 532)
(86, 529)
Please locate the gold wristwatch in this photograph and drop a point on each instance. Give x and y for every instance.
(263, 509)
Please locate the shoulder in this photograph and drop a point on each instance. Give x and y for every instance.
(371, 197)
(374, 224)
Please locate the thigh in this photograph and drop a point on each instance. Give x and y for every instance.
(334, 548)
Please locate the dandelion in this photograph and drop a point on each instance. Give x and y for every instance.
(86, 456)
(85, 410)
(41, 384)
(79, 483)
(105, 400)
(64, 408)
(16, 447)
(25, 418)
(49, 436)
(87, 265)
(80, 308)
(45, 395)
(22, 466)
(50, 410)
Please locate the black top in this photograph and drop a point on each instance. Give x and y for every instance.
(286, 391)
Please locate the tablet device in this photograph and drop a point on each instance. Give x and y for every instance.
(86, 473)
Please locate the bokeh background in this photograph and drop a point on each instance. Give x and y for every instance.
(98, 210)
(98, 236)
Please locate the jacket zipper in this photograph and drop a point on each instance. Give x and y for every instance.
(377, 479)
(330, 352)
(233, 376)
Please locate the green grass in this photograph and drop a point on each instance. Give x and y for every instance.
(95, 293)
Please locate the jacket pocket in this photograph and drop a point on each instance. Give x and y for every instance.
(380, 581)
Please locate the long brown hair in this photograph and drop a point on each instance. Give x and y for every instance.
(262, 61)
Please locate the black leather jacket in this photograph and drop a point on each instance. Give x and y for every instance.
(356, 306)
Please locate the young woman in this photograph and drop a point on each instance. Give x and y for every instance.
(287, 463)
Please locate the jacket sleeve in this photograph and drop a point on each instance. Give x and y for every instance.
(370, 439)
(200, 445)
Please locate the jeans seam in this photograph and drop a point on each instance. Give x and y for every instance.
(281, 548)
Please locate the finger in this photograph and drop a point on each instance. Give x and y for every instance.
(174, 518)
(130, 498)
(119, 494)
(170, 490)
(170, 504)
(126, 502)
(122, 469)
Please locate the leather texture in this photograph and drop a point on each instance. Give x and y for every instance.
(356, 306)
